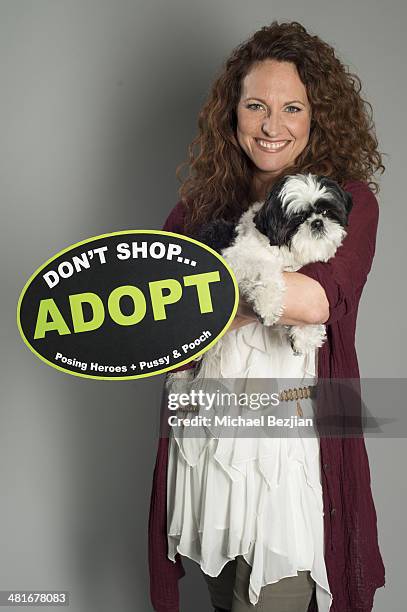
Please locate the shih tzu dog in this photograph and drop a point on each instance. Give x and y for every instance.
(302, 220)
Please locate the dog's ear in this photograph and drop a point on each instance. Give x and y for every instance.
(348, 201)
(218, 235)
(344, 195)
(270, 219)
(266, 222)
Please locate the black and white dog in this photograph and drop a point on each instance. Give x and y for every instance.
(302, 220)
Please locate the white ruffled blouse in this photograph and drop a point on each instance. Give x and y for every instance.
(257, 497)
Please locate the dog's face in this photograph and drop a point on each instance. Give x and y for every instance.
(307, 214)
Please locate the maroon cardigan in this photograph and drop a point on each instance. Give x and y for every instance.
(352, 556)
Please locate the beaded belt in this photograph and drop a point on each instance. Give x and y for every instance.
(296, 394)
(286, 395)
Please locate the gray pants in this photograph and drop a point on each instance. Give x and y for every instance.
(229, 590)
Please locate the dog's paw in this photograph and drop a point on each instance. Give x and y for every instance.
(304, 338)
(267, 303)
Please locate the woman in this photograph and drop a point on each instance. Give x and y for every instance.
(284, 104)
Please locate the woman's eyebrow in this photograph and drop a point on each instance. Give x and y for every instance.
(264, 102)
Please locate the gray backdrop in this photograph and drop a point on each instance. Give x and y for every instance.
(99, 101)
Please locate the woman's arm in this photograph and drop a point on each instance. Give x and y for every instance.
(305, 301)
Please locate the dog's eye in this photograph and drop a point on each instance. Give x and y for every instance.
(324, 212)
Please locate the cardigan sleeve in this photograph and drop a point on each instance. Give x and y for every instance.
(175, 220)
(164, 574)
(345, 274)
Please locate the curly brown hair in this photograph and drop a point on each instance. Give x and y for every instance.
(342, 143)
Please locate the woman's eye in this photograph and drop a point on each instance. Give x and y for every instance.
(296, 109)
(254, 106)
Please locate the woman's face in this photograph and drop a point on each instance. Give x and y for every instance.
(273, 117)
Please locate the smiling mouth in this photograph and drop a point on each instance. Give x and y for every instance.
(266, 145)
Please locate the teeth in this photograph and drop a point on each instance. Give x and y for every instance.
(272, 145)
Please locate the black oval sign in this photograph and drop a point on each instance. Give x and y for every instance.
(127, 305)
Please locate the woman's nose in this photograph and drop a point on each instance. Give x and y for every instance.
(271, 125)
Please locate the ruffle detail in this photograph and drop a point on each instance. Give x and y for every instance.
(257, 497)
(241, 353)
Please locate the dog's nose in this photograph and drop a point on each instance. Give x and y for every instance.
(317, 224)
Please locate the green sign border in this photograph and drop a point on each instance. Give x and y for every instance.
(120, 233)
